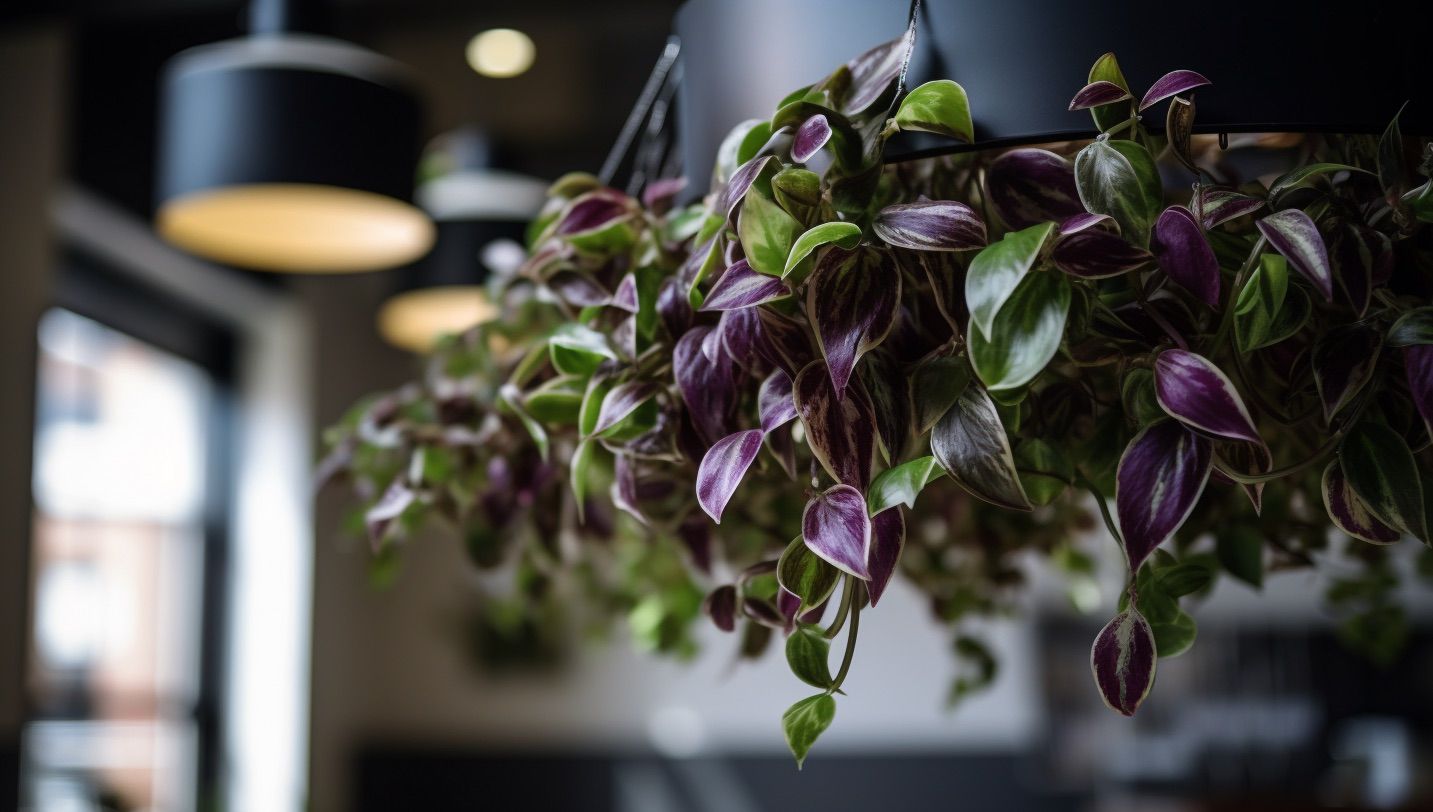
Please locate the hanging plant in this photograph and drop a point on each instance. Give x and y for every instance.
(832, 369)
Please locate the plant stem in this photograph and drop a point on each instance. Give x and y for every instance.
(1254, 479)
(852, 584)
(841, 611)
(1104, 508)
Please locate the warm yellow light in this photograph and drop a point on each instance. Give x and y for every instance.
(501, 53)
(416, 319)
(302, 228)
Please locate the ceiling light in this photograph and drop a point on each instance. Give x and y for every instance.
(501, 53)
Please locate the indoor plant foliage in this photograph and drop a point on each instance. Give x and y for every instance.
(775, 376)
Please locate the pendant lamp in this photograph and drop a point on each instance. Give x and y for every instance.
(481, 214)
(291, 152)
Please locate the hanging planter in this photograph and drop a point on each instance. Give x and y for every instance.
(760, 397)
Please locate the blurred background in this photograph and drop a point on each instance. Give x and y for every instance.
(183, 627)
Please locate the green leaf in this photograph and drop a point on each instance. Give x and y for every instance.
(1414, 328)
(557, 400)
(902, 484)
(936, 382)
(998, 269)
(1107, 69)
(597, 388)
(805, 721)
(1241, 552)
(1174, 637)
(797, 190)
(1390, 157)
(1183, 579)
(767, 233)
(578, 469)
(806, 575)
(1304, 176)
(846, 235)
(581, 339)
(1044, 472)
(753, 141)
(1260, 301)
(939, 107)
(1380, 468)
(1025, 335)
(510, 398)
(649, 284)
(614, 237)
(1138, 396)
(1119, 178)
(807, 653)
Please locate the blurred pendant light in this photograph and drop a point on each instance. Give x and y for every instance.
(284, 151)
(481, 214)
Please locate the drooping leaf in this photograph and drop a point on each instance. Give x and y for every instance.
(840, 431)
(1381, 470)
(787, 341)
(707, 384)
(1179, 81)
(1358, 254)
(810, 137)
(902, 484)
(807, 651)
(971, 445)
(806, 575)
(775, 402)
(1293, 234)
(997, 270)
(1179, 130)
(740, 287)
(939, 107)
(1094, 253)
(722, 469)
(1032, 186)
(935, 384)
(888, 539)
(1349, 512)
(1160, 477)
(1240, 549)
(835, 527)
(1192, 390)
(1119, 178)
(1184, 255)
(884, 380)
(1218, 206)
(767, 233)
(934, 225)
(845, 235)
(1123, 661)
(1175, 636)
(852, 300)
(1098, 93)
(805, 721)
(720, 606)
(1107, 69)
(1026, 333)
(1344, 359)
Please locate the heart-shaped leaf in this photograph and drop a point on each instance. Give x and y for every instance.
(775, 402)
(1293, 234)
(901, 485)
(741, 287)
(1185, 256)
(1195, 392)
(767, 233)
(806, 576)
(1098, 93)
(1348, 511)
(1160, 477)
(934, 225)
(722, 469)
(971, 445)
(845, 235)
(1119, 178)
(1094, 253)
(805, 721)
(835, 527)
(1123, 660)
(1218, 206)
(1107, 69)
(1026, 334)
(852, 300)
(1344, 359)
(1032, 186)
(810, 137)
(1380, 468)
(720, 606)
(1179, 81)
(996, 271)
(888, 539)
(807, 653)
(939, 107)
(840, 431)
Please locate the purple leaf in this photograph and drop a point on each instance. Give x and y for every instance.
(696, 535)
(788, 603)
(787, 341)
(1293, 234)
(852, 300)
(708, 386)
(593, 210)
(1171, 84)
(1217, 206)
(840, 431)
(659, 194)
(1123, 660)
(782, 445)
(1418, 365)
(1195, 392)
(622, 401)
(625, 297)
(888, 538)
(1032, 186)
(1098, 93)
(775, 401)
(873, 72)
(810, 137)
(722, 469)
(742, 287)
(741, 181)
(741, 336)
(1095, 253)
(674, 308)
(1160, 477)
(1350, 513)
(1358, 254)
(396, 499)
(624, 487)
(763, 612)
(577, 288)
(933, 225)
(1076, 223)
(970, 443)
(1184, 254)
(720, 606)
(836, 528)
(1343, 360)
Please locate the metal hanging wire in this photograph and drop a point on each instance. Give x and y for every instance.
(653, 153)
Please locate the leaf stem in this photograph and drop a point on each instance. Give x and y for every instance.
(852, 584)
(1104, 508)
(1254, 479)
(841, 611)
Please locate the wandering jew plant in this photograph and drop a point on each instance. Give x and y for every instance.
(831, 369)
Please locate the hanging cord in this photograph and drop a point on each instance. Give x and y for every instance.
(648, 163)
(645, 102)
(910, 46)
